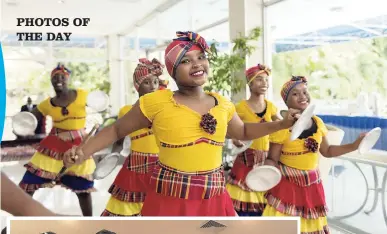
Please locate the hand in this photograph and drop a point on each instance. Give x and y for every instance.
(270, 162)
(291, 117)
(357, 142)
(238, 143)
(73, 156)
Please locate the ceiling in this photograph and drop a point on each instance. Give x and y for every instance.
(151, 226)
(154, 21)
(149, 18)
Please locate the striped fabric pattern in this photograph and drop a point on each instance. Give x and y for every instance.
(141, 135)
(141, 162)
(126, 196)
(61, 69)
(255, 71)
(175, 51)
(198, 141)
(53, 146)
(145, 69)
(110, 214)
(170, 182)
(289, 85)
(302, 178)
(293, 210)
(248, 206)
(252, 157)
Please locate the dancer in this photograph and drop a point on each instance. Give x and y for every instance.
(129, 187)
(254, 110)
(300, 192)
(68, 111)
(190, 127)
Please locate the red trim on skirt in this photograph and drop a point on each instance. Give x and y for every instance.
(159, 205)
(289, 198)
(107, 213)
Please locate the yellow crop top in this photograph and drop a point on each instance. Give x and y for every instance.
(248, 116)
(142, 140)
(75, 120)
(184, 145)
(294, 153)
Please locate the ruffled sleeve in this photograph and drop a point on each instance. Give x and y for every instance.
(124, 110)
(226, 105)
(321, 126)
(279, 137)
(239, 108)
(44, 107)
(152, 103)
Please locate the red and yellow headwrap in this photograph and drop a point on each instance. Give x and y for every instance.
(185, 42)
(288, 86)
(60, 69)
(146, 68)
(254, 72)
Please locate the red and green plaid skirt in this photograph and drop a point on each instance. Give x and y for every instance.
(133, 179)
(176, 193)
(299, 193)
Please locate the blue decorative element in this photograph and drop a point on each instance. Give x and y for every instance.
(354, 125)
(2, 93)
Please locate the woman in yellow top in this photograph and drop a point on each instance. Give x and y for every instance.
(254, 110)
(68, 112)
(300, 192)
(129, 187)
(190, 127)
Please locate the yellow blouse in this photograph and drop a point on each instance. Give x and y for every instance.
(248, 116)
(143, 140)
(184, 145)
(75, 120)
(301, 158)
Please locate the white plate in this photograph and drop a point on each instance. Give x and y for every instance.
(369, 140)
(303, 122)
(237, 150)
(24, 124)
(98, 100)
(106, 166)
(263, 178)
(126, 147)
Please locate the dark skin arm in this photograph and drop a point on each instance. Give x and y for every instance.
(274, 154)
(331, 151)
(109, 135)
(237, 129)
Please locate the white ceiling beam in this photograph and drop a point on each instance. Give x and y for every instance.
(164, 6)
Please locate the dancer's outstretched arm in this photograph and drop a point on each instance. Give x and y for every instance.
(132, 121)
(330, 151)
(18, 203)
(250, 131)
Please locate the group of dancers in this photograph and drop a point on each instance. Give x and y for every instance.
(175, 164)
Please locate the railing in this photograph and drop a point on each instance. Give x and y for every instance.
(356, 192)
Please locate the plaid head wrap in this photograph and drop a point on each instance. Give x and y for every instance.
(185, 42)
(288, 86)
(60, 69)
(145, 69)
(254, 72)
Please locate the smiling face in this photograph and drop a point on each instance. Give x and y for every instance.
(148, 85)
(59, 82)
(193, 69)
(299, 97)
(260, 84)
